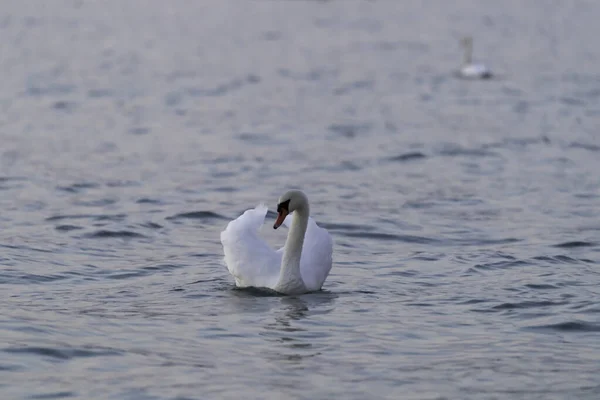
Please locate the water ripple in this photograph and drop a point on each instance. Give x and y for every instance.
(62, 353)
(585, 146)
(103, 233)
(389, 236)
(410, 156)
(201, 215)
(96, 217)
(528, 304)
(573, 244)
(502, 264)
(569, 326)
(53, 395)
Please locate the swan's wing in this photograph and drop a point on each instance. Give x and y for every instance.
(317, 256)
(250, 260)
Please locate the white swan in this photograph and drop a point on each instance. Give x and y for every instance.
(301, 266)
(469, 69)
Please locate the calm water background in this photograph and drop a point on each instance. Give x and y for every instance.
(464, 214)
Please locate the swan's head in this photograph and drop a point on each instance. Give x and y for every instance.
(288, 203)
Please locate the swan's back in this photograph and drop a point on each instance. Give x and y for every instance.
(475, 71)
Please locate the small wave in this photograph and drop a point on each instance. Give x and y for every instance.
(11, 179)
(560, 259)
(569, 326)
(410, 156)
(457, 151)
(573, 244)
(206, 215)
(519, 142)
(390, 236)
(346, 227)
(421, 304)
(162, 267)
(427, 257)
(78, 187)
(501, 265)
(585, 146)
(527, 304)
(146, 200)
(226, 189)
(421, 203)
(61, 354)
(483, 242)
(541, 286)
(103, 233)
(17, 277)
(204, 255)
(55, 395)
(151, 225)
(128, 274)
(97, 217)
(67, 228)
(10, 182)
(96, 203)
(5, 367)
(407, 274)
(473, 301)
(28, 248)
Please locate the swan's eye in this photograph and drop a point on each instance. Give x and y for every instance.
(283, 206)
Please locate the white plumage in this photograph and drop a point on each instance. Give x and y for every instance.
(469, 69)
(302, 265)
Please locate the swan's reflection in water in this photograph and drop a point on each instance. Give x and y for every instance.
(290, 334)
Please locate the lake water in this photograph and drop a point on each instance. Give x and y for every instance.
(465, 214)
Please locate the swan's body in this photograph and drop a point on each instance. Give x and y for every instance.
(301, 266)
(469, 69)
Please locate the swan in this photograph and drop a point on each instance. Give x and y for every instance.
(301, 266)
(470, 70)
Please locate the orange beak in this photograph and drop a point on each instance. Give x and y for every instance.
(280, 218)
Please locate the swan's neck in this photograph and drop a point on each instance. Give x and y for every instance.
(290, 279)
(468, 59)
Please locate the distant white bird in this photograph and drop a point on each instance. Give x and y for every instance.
(469, 69)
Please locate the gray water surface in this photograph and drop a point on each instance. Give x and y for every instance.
(464, 213)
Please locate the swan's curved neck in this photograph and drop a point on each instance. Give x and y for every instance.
(290, 279)
(468, 59)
